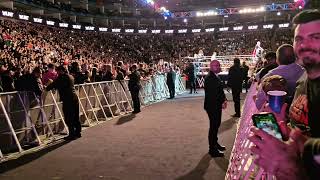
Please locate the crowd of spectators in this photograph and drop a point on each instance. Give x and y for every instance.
(25, 46)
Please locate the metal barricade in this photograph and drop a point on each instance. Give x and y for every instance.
(28, 121)
(241, 163)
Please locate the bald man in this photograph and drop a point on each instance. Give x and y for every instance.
(215, 100)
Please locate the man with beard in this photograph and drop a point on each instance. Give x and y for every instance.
(297, 158)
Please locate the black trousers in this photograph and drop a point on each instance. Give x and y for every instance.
(135, 100)
(236, 99)
(193, 85)
(215, 122)
(71, 117)
(172, 90)
(245, 80)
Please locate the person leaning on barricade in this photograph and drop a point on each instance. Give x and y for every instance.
(65, 86)
(297, 156)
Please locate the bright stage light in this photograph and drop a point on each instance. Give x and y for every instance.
(103, 29)
(129, 30)
(268, 26)
(76, 26)
(253, 27)
(163, 9)
(50, 23)
(196, 30)
(209, 30)
(24, 17)
(284, 25)
(7, 13)
(252, 10)
(150, 2)
(224, 29)
(182, 31)
(37, 20)
(238, 28)
(170, 31)
(155, 31)
(208, 13)
(63, 25)
(116, 30)
(89, 28)
(279, 13)
(185, 20)
(142, 31)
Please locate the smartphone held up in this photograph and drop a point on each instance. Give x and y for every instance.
(268, 123)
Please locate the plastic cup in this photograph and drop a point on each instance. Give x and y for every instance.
(276, 100)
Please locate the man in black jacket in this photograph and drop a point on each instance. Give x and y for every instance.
(215, 100)
(235, 82)
(134, 88)
(245, 70)
(171, 79)
(65, 86)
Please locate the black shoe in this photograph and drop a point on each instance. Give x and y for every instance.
(221, 148)
(216, 153)
(236, 115)
(78, 135)
(70, 138)
(135, 112)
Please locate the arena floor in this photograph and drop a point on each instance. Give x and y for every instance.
(167, 141)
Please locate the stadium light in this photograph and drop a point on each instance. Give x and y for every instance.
(23, 17)
(7, 13)
(155, 31)
(284, 25)
(182, 30)
(252, 10)
(170, 31)
(253, 27)
(37, 20)
(224, 29)
(50, 23)
(76, 26)
(208, 13)
(150, 2)
(129, 30)
(142, 31)
(209, 30)
(116, 30)
(102, 29)
(63, 25)
(163, 9)
(196, 30)
(268, 26)
(89, 28)
(237, 28)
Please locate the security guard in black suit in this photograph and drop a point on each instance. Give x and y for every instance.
(235, 80)
(134, 88)
(215, 101)
(65, 86)
(171, 80)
